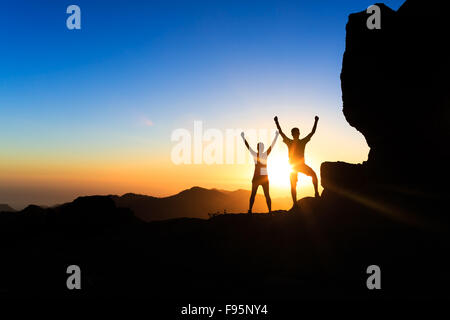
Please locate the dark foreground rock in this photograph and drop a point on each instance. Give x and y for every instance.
(320, 251)
(395, 91)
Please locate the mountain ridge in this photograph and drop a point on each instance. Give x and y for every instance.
(6, 208)
(196, 202)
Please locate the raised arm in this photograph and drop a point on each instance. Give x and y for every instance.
(247, 145)
(273, 143)
(279, 129)
(313, 129)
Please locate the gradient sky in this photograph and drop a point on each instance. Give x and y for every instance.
(92, 110)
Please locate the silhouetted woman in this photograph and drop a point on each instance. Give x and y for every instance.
(260, 177)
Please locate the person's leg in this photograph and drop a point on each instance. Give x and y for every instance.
(267, 195)
(310, 172)
(294, 180)
(252, 196)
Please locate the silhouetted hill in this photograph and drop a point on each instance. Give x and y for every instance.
(319, 251)
(6, 208)
(192, 203)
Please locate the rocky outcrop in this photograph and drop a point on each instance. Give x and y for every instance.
(396, 92)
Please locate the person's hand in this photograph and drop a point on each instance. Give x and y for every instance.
(243, 135)
(317, 118)
(276, 119)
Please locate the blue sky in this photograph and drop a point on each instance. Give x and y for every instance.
(163, 53)
(228, 63)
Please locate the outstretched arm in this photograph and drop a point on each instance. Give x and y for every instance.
(313, 129)
(273, 143)
(247, 145)
(279, 129)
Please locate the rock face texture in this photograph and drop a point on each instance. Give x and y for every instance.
(396, 92)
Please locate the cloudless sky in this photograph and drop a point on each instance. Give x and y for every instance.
(92, 110)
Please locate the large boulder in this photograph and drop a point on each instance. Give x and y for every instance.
(396, 92)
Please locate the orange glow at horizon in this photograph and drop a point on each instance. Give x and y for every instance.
(54, 176)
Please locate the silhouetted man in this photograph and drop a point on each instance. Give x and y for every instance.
(297, 157)
(260, 176)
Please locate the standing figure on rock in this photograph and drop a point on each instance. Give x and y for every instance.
(260, 176)
(297, 158)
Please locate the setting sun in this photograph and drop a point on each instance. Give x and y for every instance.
(279, 170)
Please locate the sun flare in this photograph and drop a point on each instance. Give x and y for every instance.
(279, 170)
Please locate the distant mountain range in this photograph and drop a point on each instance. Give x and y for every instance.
(6, 208)
(194, 203)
